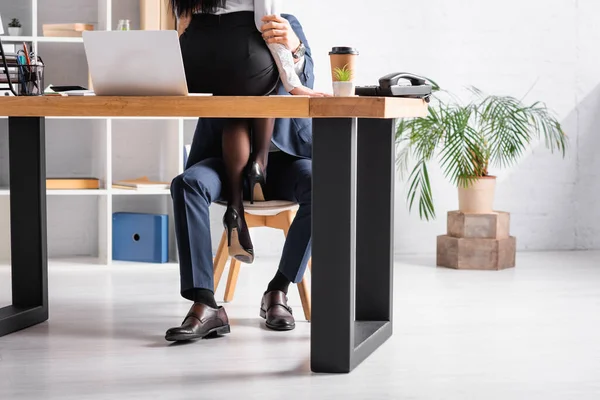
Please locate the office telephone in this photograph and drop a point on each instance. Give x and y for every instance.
(398, 84)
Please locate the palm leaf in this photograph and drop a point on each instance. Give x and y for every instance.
(555, 138)
(419, 137)
(461, 157)
(505, 125)
(421, 186)
(510, 127)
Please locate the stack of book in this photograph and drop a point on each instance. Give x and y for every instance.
(72, 183)
(142, 183)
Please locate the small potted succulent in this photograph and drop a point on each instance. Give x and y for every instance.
(343, 86)
(14, 27)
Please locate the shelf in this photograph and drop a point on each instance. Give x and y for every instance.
(16, 39)
(144, 192)
(44, 39)
(80, 192)
(74, 261)
(103, 146)
(41, 39)
(116, 118)
(55, 192)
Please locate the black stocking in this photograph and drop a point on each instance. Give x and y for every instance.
(262, 131)
(236, 153)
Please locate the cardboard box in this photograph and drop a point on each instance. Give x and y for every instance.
(66, 30)
(156, 15)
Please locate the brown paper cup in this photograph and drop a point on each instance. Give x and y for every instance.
(343, 57)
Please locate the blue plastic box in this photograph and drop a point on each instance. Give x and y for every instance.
(140, 237)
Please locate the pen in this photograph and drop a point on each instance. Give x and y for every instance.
(20, 61)
(28, 65)
(26, 53)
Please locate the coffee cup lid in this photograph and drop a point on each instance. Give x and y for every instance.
(343, 50)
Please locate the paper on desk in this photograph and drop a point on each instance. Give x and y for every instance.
(78, 93)
(50, 92)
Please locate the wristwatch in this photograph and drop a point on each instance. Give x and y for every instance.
(300, 51)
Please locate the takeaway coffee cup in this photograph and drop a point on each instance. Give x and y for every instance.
(343, 58)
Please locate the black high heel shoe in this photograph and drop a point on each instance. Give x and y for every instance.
(257, 182)
(239, 243)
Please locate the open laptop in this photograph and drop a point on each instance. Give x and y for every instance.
(135, 63)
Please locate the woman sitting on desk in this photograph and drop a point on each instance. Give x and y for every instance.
(225, 54)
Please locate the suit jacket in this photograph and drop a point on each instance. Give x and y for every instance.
(292, 136)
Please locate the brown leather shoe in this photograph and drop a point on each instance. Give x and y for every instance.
(201, 321)
(275, 310)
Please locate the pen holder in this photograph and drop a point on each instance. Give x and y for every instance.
(30, 80)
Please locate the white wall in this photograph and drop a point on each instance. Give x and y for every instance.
(507, 47)
(502, 47)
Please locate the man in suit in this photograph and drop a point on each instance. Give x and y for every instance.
(289, 175)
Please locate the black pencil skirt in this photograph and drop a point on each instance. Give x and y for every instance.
(226, 55)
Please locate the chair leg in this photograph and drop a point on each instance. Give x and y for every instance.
(304, 289)
(220, 260)
(234, 270)
(304, 285)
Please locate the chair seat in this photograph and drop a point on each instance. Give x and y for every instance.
(266, 208)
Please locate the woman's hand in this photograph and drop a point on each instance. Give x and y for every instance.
(278, 30)
(304, 91)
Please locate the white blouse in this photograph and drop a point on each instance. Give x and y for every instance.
(282, 55)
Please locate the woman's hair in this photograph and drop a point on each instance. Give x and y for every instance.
(188, 7)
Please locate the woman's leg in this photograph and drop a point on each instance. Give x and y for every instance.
(262, 132)
(236, 154)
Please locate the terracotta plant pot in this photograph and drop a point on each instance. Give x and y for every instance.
(479, 197)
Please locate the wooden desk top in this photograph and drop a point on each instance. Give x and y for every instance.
(218, 107)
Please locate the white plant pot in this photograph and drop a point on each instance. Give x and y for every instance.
(479, 197)
(343, 89)
(15, 31)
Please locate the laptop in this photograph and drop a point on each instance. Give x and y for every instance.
(135, 63)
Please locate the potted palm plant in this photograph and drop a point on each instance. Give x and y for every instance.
(466, 139)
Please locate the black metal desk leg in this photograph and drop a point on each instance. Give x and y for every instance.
(352, 243)
(28, 225)
(333, 244)
(374, 235)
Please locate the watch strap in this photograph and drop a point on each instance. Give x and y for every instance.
(296, 53)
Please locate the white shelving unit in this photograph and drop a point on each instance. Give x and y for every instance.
(110, 149)
(33, 39)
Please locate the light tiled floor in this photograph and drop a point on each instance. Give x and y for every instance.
(528, 333)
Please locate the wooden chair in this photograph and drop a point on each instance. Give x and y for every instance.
(271, 214)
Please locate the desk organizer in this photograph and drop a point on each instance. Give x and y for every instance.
(26, 80)
(140, 237)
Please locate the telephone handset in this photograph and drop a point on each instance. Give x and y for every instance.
(392, 79)
(394, 85)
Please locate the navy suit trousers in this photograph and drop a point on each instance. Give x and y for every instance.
(288, 178)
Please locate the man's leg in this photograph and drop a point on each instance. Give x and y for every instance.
(289, 178)
(192, 193)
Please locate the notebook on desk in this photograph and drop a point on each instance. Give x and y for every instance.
(126, 63)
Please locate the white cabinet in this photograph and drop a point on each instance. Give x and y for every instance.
(80, 221)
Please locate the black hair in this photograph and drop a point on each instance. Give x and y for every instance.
(188, 7)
